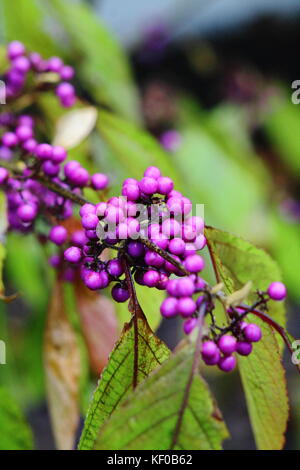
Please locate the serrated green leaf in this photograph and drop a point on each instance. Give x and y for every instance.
(236, 261)
(15, 432)
(100, 60)
(149, 418)
(117, 378)
(134, 148)
(23, 21)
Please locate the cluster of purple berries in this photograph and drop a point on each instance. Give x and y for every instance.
(22, 63)
(26, 196)
(149, 209)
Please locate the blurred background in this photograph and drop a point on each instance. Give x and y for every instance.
(212, 82)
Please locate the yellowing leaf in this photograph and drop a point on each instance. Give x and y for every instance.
(62, 366)
(235, 261)
(74, 126)
(136, 354)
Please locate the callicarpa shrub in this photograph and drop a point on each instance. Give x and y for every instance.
(144, 236)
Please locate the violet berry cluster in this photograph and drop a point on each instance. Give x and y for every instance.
(149, 211)
(23, 63)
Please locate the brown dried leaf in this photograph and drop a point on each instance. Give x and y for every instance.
(99, 324)
(62, 366)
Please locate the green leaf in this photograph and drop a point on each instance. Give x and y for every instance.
(100, 60)
(15, 432)
(23, 21)
(134, 148)
(237, 261)
(149, 303)
(118, 377)
(213, 171)
(281, 126)
(160, 416)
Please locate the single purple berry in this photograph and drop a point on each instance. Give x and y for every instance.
(186, 306)
(243, 348)
(59, 154)
(9, 139)
(87, 209)
(79, 238)
(148, 185)
(50, 169)
(252, 333)
(165, 185)
(21, 64)
(186, 287)
(30, 145)
(119, 293)
(189, 325)
(65, 90)
(171, 228)
(44, 151)
(212, 361)
(72, 254)
(93, 280)
(277, 291)
(194, 263)
(58, 235)
(54, 64)
(153, 259)
(170, 140)
(27, 212)
(135, 249)
(99, 181)
(15, 49)
(3, 175)
(115, 267)
(151, 278)
(227, 364)
(66, 72)
(131, 191)
(176, 246)
(90, 221)
(168, 308)
(24, 133)
(227, 344)
(209, 349)
(152, 172)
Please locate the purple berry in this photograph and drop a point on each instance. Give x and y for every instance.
(30, 145)
(152, 172)
(90, 221)
(186, 306)
(87, 209)
(243, 348)
(176, 246)
(252, 333)
(227, 344)
(119, 293)
(59, 154)
(54, 64)
(3, 175)
(72, 254)
(44, 151)
(170, 140)
(194, 263)
(135, 249)
(66, 72)
(189, 325)
(27, 212)
(78, 238)
(65, 91)
(227, 364)
(99, 181)
(209, 349)
(9, 139)
(212, 361)
(50, 169)
(165, 185)
(115, 267)
(58, 235)
(148, 185)
(151, 278)
(15, 49)
(168, 308)
(24, 133)
(277, 291)
(186, 287)
(131, 191)
(154, 259)
(21, 64)
(93, 280)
